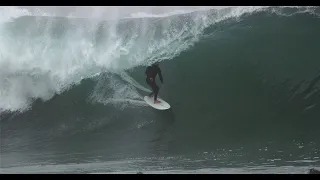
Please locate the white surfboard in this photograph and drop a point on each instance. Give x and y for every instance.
(161, 106)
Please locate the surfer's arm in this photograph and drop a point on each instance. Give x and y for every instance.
(160, 75)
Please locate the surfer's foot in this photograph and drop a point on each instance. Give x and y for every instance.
(157, 102)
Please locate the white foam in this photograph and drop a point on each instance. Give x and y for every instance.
(112, 90)
(115, 12)
(171, 13)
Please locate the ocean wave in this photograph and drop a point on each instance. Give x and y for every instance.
(61, 51)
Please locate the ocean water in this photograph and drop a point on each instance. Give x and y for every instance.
(243, 84)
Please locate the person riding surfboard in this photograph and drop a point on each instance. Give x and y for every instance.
(151, 73)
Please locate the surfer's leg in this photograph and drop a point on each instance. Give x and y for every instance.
(156, 91)
(150, 84)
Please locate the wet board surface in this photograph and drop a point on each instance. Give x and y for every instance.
(160, 106)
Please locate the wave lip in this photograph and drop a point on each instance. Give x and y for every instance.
(170, 13)
(10, 12)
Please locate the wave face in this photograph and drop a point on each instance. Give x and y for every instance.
(243, 84)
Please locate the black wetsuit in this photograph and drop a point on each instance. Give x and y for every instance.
(152, 72)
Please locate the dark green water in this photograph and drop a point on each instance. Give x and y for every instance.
(245, 98)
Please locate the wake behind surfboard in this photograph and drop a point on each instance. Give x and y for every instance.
(160, 106)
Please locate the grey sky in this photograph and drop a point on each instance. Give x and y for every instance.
(110, 11)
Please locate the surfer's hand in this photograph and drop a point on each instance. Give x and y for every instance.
(151, 79)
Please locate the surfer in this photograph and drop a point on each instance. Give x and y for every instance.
(151, 73)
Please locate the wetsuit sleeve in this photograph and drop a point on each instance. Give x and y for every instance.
(160, 75)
